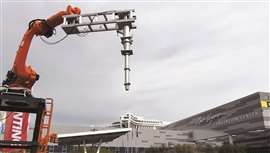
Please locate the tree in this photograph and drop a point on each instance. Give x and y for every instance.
(231, 149)
(198, 149)
(186, 149)
(91, 150)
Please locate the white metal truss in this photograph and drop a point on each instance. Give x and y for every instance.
(97, 22)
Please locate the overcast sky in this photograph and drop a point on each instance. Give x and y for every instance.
(188, 57)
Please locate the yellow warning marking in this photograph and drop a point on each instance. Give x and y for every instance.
(264, 104)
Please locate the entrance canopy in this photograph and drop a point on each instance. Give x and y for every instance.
(91, 137)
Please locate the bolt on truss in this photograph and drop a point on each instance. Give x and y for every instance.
(120, 21)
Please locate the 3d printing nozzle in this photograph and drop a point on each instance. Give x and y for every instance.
(126, 41)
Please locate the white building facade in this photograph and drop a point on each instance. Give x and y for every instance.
(130, 120)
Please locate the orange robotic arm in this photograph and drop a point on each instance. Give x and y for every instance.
(23, 76)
